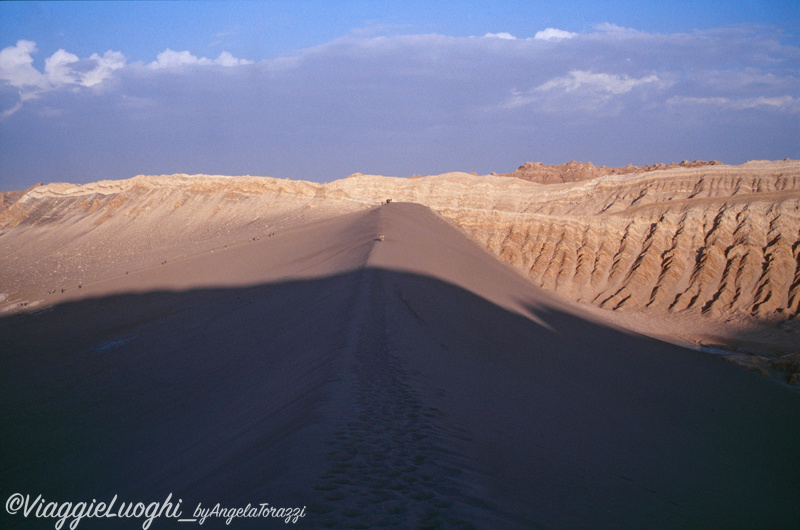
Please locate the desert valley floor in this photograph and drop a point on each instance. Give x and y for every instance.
(538, 349)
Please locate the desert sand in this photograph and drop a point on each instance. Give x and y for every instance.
(248, 340)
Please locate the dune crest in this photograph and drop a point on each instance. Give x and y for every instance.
(378, 367)
(699, 246)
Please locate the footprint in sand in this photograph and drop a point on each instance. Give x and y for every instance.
(385, 468)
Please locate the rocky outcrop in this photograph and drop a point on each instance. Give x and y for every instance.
(717, 241)
(577, 171)
(8, 198)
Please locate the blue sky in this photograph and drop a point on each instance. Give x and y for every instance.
(319, 90)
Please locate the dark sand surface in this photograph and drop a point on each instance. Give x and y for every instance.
(414, 382)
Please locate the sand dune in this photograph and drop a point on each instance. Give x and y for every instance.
(701, 254)
(252, 340)
(718, 241)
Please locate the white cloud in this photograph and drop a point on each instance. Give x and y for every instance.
(62, 69)
(554, 34)
(503, 35)
(226, 59)
(172, 59)
(104, 65)
(66, 70)
(16, 65)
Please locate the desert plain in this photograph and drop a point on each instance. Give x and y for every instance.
(562, 346)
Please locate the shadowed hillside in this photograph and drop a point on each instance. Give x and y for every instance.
(408, 381)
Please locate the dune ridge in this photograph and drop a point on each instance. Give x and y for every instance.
(380, 368)
(704, 249)
(719, 240)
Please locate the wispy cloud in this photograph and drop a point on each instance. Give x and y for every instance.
(608, 28)
(410, 103)
(595, 82)
(219, 38)
(579, 90)
(787, 103)
(8, 112)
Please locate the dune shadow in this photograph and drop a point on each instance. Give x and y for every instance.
(423, 405)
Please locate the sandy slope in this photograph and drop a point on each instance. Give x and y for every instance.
(697, 254)
(410, 382)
